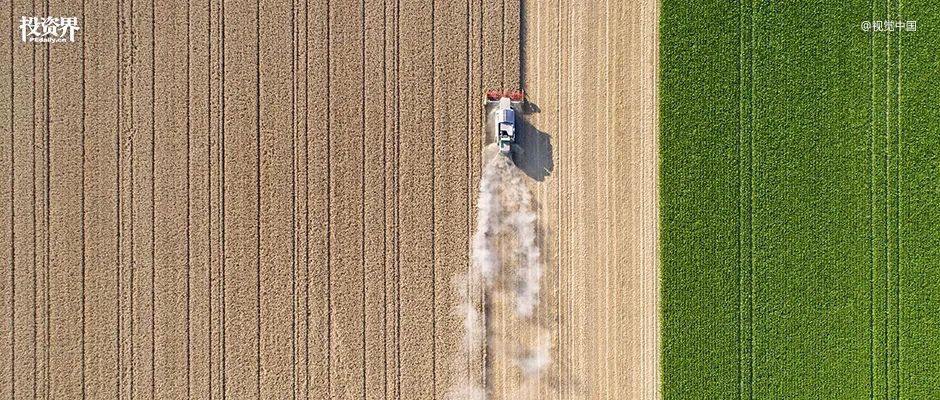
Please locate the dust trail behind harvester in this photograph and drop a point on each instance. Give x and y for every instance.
(506, 264)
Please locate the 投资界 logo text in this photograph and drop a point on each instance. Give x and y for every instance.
(48, 29)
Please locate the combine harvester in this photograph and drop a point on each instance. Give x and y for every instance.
(501, 108)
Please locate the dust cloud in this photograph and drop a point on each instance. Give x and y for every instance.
(506, 261)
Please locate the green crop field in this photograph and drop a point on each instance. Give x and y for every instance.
(800, 200)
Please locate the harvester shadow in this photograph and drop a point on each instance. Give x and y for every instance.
(533, 150)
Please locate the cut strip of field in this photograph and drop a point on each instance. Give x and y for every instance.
(591, 70)
(799, 195)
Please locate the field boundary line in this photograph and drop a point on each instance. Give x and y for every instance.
(887, 200)
(740, 194)
(751, 199)
(897, 221)
(871, 211)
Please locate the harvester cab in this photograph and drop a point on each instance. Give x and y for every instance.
(501, 118)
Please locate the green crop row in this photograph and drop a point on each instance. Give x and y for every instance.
(800, 200)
